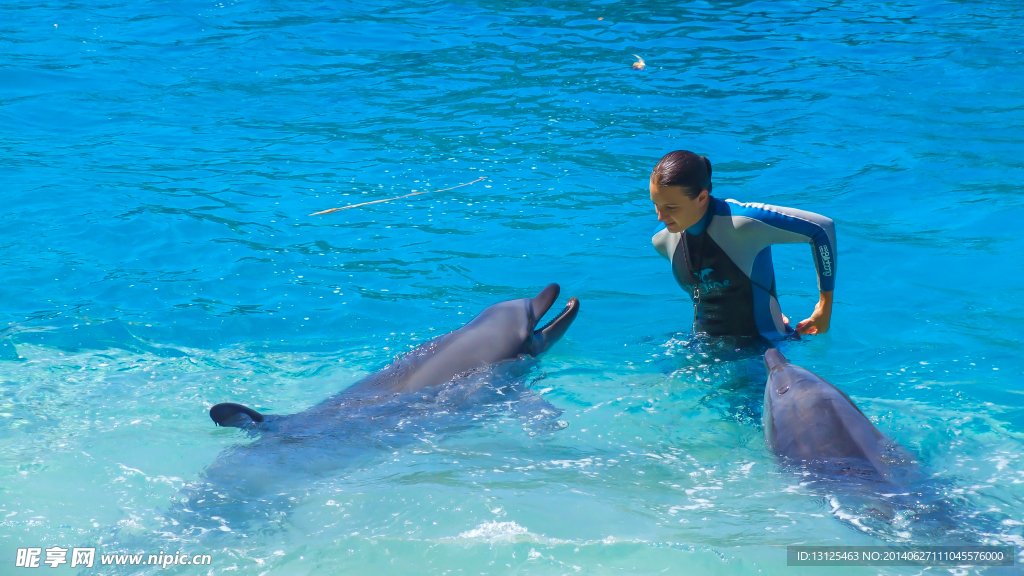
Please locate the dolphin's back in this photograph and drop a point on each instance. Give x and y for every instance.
(807, 418)
(496, 334)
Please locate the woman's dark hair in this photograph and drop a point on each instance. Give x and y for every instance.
(685, 169)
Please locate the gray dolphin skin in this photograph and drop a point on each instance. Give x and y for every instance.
(807, 419)
(504, 331)
(811, 423)
(441, 386)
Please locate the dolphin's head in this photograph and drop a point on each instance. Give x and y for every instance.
(808, 419)
(541, 339)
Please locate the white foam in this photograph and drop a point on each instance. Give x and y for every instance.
(1001, 462)
(495, 532)
(839, 512)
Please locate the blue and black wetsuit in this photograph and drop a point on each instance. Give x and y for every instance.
(725, 263)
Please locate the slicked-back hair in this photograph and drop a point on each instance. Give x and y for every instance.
(689, 171)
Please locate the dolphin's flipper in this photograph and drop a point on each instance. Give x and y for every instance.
(234, 415)
(537, 413)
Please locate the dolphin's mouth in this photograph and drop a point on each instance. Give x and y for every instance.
(571, 308)
(551, 332)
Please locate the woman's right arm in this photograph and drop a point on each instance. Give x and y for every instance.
(665, 242)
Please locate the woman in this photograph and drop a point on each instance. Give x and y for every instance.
(720, 251)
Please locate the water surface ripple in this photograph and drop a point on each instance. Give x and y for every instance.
(159, 160)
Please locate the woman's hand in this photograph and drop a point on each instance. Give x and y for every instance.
(819, 321)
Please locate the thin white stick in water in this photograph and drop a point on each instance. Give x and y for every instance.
(395, 198)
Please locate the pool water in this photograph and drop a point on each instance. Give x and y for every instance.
(160, 161)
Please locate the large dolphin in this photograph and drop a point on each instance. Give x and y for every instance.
(866, 476)
(393, 405)
(807, 419)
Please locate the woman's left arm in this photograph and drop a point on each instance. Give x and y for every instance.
(820, 319)
(781, 225)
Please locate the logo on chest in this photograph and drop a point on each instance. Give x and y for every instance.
(708, 286)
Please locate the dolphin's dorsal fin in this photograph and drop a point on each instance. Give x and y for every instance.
(234, 415)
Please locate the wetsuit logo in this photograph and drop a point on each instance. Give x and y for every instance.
(826, 261)
(707, 285)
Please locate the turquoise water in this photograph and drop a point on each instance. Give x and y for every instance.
(158, 162)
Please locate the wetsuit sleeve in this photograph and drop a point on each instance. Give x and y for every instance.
(665, 242)
(779, 225)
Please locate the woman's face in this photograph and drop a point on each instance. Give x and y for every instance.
(677, 210)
